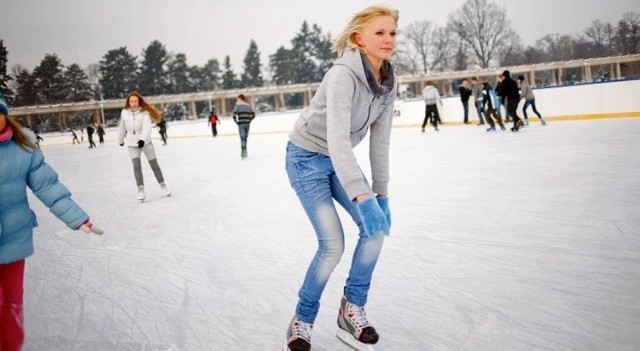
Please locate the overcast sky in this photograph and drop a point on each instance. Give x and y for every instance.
(82, 31)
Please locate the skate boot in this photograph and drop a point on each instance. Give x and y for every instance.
(423, 130)
(491, 129)
(243, 153)
(298, 335)
(166, 190)
(141, 193)
(353, 327)
(526, 122)
(543, 122)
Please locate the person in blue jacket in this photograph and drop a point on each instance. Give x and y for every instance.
(491, 104)
(356, 98)
(22, 165)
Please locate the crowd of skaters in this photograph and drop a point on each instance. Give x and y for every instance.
(487, 101)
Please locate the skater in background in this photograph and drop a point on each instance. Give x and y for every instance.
(22, 165)
(498, 90)
(490, 104)
(356, 96)
(90, 131)
(431, 98)
(526, 93)
(213, 121)
(465, 93)
(243, 115)
(74, 137)
(476, 93)
(135, 130)
(162, 130)
(100, 131)
(38, 137)
(512, 97)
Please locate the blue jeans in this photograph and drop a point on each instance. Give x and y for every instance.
(312, 176)
(243, 129)
(479, 110)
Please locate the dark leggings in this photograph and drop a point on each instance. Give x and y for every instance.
(431, 112)
(512, 107)
(533, 105)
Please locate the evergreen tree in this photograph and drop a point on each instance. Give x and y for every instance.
(154, 78)
(50, 82)
(211, 76)
(302, 50)
(282, 66)
(178, 72)
(26, 90)
(252, 76)
(119, 71)
(4, 76)
(229, 80)
(321, 46)
(77, 87)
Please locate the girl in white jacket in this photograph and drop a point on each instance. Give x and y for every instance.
(135, 131)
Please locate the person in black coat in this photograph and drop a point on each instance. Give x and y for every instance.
(101, 133)
(511, 93)
(465, 93)
(90, 131)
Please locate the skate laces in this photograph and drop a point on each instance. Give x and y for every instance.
(301, 330)
(357, 316)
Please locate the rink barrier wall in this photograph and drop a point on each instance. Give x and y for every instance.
(605, 100)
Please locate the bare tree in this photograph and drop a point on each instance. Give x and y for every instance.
(419, 39)
(483, 26)
(405, 61)
(557, 47)
(628, 33)
(598, 34)
(442, 50)
(510, 51)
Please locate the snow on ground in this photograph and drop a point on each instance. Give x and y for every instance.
(502, 241)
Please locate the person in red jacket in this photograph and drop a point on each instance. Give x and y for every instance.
(213, 121)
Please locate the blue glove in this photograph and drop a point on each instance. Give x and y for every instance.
(373, 219)
(383, 201)
(140, 143)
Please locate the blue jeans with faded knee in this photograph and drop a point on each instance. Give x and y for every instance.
(313, 178)
(243, 130)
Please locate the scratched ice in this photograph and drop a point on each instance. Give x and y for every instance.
(499, 241)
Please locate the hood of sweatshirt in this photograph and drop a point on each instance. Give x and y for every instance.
(358, 63)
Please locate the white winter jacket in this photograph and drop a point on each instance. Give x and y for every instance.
(134, 125)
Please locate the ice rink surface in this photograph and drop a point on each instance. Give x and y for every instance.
(500, 241)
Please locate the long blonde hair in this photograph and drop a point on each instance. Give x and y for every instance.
(357, 23)
(155, 115)
(19, 136)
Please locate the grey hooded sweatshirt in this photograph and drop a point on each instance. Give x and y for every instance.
(348, 103)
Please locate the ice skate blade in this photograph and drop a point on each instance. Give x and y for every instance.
(348, 339)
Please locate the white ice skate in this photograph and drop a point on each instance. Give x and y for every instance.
(166, 190)
(353, 327)
(298, 336)
(141, 193)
